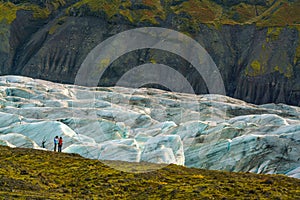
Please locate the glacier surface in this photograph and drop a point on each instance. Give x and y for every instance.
(150, 125)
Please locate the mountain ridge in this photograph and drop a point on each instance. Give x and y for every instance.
(256, 46)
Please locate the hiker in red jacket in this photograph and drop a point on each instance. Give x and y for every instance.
(60, 143)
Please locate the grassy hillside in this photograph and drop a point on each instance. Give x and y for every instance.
(263, 13)
(33, 174)
(39, 10)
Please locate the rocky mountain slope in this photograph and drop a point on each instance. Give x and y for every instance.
(149, 125)
(255, 44)
(32, 174)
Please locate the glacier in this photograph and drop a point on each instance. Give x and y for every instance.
(150, 125)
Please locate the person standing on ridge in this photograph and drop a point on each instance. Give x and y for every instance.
(60, 143)
(43, 143)
(55, 142)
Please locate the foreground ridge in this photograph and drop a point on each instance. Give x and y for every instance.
(36, 174)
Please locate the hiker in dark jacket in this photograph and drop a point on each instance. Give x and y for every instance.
(43, 143)
(60, 143)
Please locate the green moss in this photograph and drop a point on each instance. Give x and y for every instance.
(256, 66)
(38, 12)
(273, 13)
(33, 174)
(152, 60)
(216, 24)
(281, 13)
(127, 14)
(201, 11)
(276, 68)
(8, 12)
(56, 26)
(297, 54)
(192, 13)
(243, 12)
(156, 11)
(288, 72)
(57, 3)
(115, 7)
(273, 33)
(110, 8)
(188, 15)
(53, 29)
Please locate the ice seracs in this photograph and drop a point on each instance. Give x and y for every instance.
(114, 123)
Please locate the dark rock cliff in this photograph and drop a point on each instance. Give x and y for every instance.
(259, 63)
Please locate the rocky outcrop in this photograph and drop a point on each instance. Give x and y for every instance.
(259, 63)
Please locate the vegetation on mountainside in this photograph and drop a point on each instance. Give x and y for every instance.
(182, 15)
(269, 13)
(187, 15)
(262, 13)
(9, 10)
(145, 11)
(35, 174)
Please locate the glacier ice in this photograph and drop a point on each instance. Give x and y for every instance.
(115, 123)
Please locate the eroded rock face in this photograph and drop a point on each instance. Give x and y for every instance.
(258, 64)
(203, 131)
